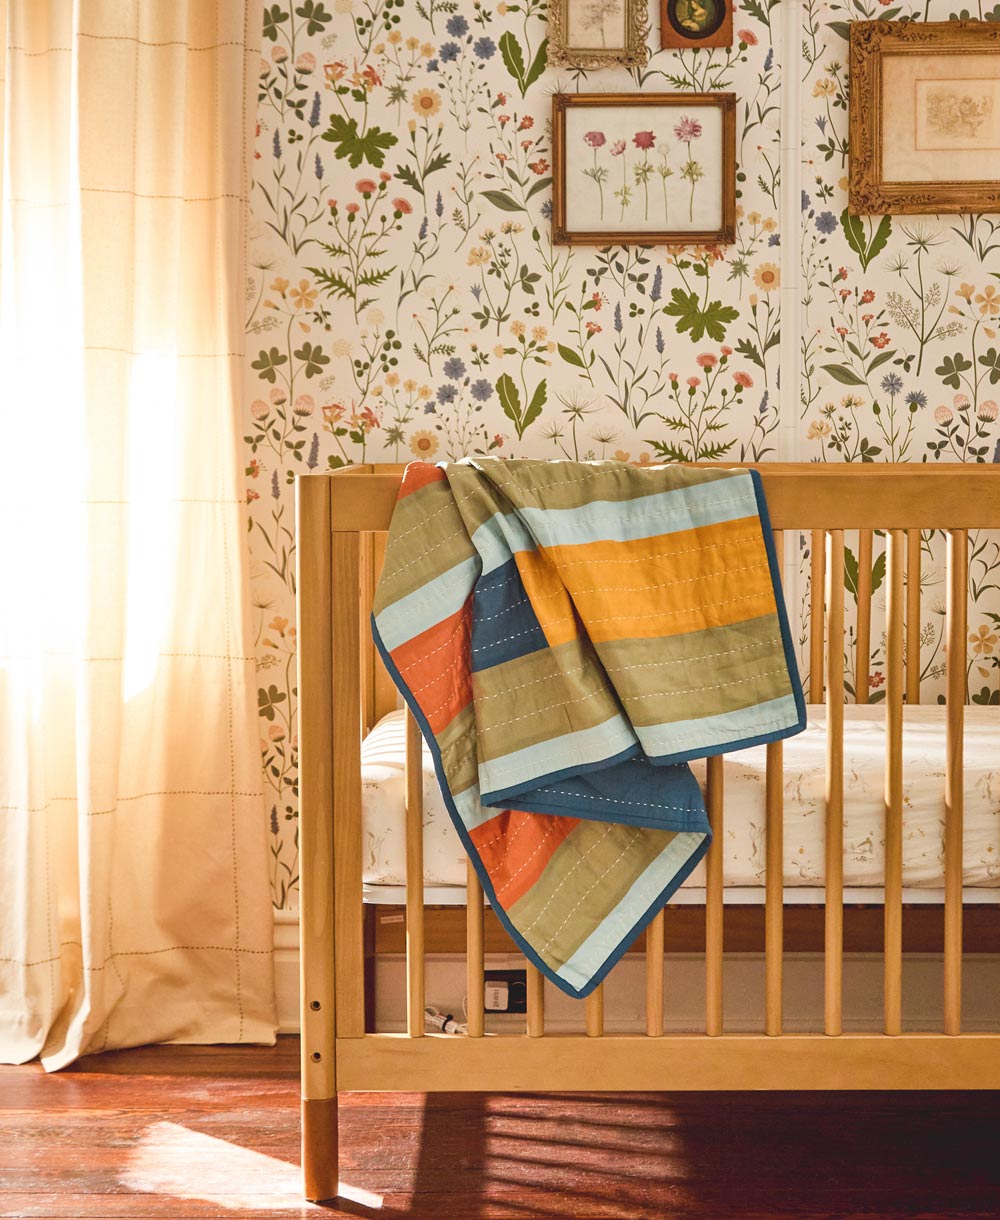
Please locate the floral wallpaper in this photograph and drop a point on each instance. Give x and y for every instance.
(900, 338)
(404, 299)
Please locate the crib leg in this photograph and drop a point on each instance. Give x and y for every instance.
(319, 1148)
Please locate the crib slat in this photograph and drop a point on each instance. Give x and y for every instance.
(414, 879)
(817, 583)
(913, 616)
(834, 939)
(475, 981)
(955, 654)
(386, 697)
(368, 717)
(774, 930)
(594, 1007)
(654, 976)
(893, 949)
(774, 867)
(863, 650)
(713, 899)
(348, 912)
(536, 1002)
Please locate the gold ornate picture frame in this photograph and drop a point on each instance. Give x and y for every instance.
(924, 117)
(598, 33)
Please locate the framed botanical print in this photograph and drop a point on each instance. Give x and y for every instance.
(924, 117)
(696, 23)
(644, 168)
(598, 33)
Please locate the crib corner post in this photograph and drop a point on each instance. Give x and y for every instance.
(316, 899)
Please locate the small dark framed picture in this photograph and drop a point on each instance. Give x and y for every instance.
(696, 23)
(643, 169)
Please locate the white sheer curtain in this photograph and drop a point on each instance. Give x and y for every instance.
(134, 901)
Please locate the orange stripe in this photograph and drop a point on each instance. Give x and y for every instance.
(435, 666)
(418, 475)
(516, 847)
(547, 594)
(711, 576)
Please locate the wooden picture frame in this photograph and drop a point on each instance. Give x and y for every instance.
(598, 33)
(696, 23)
(924, 117)
(662, 188)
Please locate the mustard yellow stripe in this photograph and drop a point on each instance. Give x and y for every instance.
(551, 603)
(670, 584)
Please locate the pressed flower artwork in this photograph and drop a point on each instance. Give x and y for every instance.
(598, 33)
(644, 168)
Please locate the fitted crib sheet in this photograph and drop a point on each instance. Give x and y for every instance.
(384, 847)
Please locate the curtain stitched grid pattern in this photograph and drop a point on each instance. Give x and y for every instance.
(134, 900)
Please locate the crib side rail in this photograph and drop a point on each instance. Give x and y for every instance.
(799, 496)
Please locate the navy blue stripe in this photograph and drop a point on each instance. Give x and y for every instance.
(504, 623)
(628, 791)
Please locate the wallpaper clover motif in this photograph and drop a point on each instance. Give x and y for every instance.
(404, 299)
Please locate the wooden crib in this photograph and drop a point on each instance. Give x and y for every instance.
(343, 690)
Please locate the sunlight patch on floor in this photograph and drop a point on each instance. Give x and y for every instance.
(174, 1160)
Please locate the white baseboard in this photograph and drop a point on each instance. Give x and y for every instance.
(286, 970)
(624, 993)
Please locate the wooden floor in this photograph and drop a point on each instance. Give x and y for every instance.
(213, 1132)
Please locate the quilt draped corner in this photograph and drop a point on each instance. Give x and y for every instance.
(567, 636)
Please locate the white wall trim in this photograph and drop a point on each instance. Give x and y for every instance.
(790, 261)
(286, 970)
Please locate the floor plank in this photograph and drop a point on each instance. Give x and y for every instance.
(179, 1133)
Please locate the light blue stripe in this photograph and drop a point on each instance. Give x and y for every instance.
(627, 520)
(505, 534)
(581, 967)
(499, 538)
(585, 746)
(471, 812)
(709, 731)
(432, 602)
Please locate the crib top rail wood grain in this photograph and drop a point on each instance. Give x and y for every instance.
(803, 497)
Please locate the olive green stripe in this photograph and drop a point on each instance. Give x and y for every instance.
(700, 673)
(477, 500)
(546, 718)
(552, 677)
(715, 698)
(588, 875)
(722, 648)
(426, 538)
(541, 484)
(457, 743)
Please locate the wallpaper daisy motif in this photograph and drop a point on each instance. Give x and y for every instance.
(405, 301)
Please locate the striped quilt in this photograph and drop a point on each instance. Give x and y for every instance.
(567, 635)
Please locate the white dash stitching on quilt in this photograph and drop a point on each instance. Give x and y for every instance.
(569, 873)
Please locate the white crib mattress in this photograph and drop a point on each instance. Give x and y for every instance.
(383, 752)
